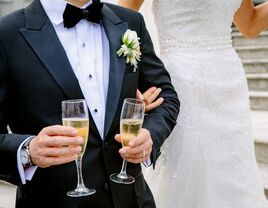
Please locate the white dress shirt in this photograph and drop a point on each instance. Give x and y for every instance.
(87, 48)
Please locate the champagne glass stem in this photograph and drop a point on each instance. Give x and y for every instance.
(80, 182)
(123, 172)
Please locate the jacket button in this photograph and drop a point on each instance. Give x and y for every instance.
(105, 146)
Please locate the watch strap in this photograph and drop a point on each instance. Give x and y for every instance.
(25, 146)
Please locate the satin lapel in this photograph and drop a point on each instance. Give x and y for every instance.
(41, 36)
(43, 39)
(114, 29)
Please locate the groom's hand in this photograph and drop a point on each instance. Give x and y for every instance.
(139, 149)
(55, 145)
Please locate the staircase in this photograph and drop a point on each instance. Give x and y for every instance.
(254, 56)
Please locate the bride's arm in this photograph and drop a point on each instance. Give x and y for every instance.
(251, 20)
(131, 4)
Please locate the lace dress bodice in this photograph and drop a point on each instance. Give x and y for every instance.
(194, 22)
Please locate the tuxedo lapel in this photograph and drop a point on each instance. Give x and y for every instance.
(114, 29)
(41, 36)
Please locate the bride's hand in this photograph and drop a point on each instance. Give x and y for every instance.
(150, 98)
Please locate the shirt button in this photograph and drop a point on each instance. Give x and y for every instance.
(90, 76)
(96, 110)
(83, 45)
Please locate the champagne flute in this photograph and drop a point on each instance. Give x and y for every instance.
(75, 114)
(131, 120)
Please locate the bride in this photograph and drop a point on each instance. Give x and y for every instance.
(209, 160)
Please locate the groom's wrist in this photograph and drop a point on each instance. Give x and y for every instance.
(25, 155)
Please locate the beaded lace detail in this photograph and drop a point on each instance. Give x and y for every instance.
(195, 43)
(208, 161)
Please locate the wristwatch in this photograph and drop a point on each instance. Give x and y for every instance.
(25, 154)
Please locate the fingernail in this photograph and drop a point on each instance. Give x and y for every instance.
(79, 149)
(131, 144)
(80, 140)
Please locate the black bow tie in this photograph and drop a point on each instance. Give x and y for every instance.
(72, 15)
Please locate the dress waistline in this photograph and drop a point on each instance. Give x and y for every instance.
(208, 43)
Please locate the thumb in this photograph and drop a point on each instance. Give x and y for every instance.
(118, 138)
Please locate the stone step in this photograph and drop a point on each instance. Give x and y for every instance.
(258, 82)
(240, 40)
(258, 100)
(255, 51)
(255, 65)
(264, 174)
(7, 195)
(256, 2)
(260, 135)
(261, 150)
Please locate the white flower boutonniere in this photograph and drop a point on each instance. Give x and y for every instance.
(130, 48)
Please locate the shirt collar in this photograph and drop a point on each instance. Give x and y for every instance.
(54, 9)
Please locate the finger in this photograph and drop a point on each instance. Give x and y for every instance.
(60, 130)
(118, 138)
(136, 149)
(50, 161)
(59, 141)
(137, 161)
(141, 143)
(148, 93)
(141, 154)
(155, 104)
(139, 95)
(142, 137)
(154, 95)
(63, 151)
(145, 144)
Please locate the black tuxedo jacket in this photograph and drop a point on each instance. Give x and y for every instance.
(35, 76)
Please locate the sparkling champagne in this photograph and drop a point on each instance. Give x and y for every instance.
(129, 129)
(82, 126)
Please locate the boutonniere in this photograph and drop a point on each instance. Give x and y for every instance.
(130, 48)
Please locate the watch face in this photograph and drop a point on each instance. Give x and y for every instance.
(24, 156)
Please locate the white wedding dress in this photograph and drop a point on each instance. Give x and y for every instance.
(209, 160)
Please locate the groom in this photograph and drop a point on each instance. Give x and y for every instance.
(45, 59)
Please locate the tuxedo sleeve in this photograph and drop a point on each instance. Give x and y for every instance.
(160, 121)
(9, 143)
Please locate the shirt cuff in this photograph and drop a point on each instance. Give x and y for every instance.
(25, 173)
(147, 163)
